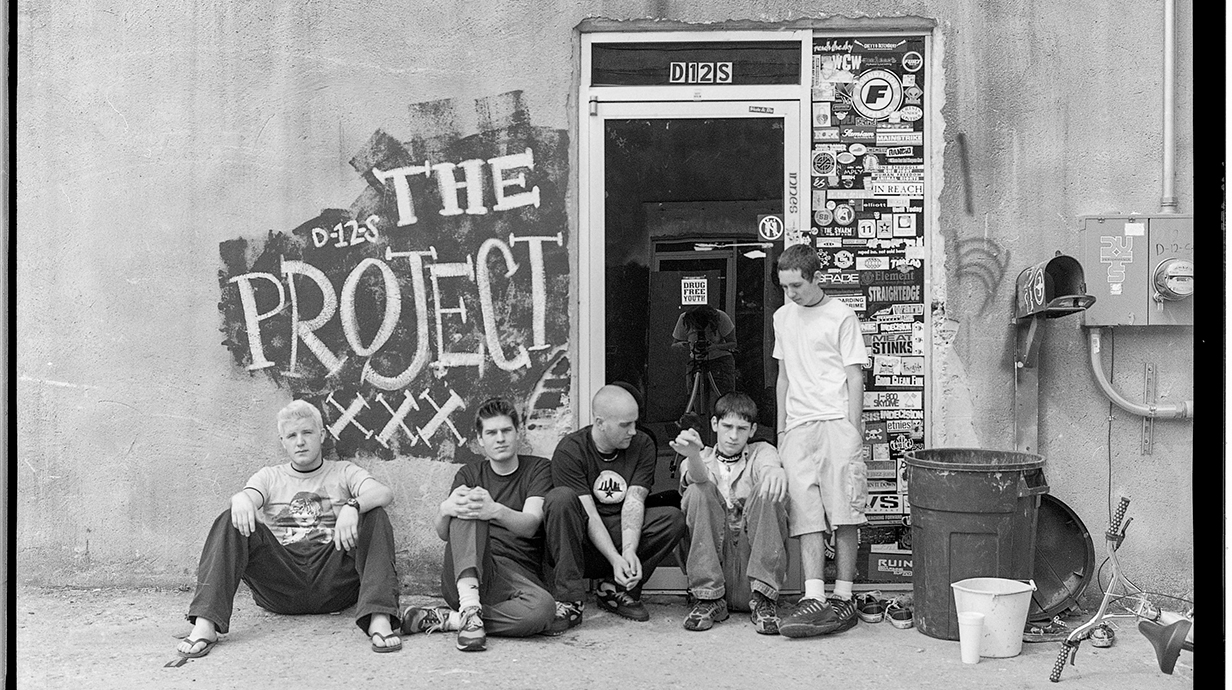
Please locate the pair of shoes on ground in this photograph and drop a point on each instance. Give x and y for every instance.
(469, 626)
(816, 617)
(621, 603)
(872, 608)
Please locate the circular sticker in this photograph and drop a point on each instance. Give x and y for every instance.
(911, 113)
(877, 93)
(857, 149)
(846, 158)
(912, 61)
(823, 163)
(844, 259)
(830, 204)
(770, 228)
(823, 217)
(843, 215)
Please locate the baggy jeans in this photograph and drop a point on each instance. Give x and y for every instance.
(298, 578)
(732, 561)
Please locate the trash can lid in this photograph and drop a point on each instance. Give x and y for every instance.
(973, 459)
(1064, 560)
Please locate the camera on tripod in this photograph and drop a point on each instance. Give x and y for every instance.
(697, 321)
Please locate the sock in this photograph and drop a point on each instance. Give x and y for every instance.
(842, 589)
(815, 589)
(468, 592)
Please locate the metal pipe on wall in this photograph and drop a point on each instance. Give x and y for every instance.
(1167, 203)
(1182, 410)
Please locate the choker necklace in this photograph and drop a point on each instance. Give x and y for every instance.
(608, 458)
(726, 459)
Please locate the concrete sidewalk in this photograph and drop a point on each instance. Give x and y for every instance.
(118, 638)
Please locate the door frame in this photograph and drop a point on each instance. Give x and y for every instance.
(596, 105)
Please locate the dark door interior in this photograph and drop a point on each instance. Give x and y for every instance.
(676, 189)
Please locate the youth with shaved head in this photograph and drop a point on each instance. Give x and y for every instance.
(596, 521)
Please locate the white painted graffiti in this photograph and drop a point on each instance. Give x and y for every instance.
(349, 417)
(424, 268)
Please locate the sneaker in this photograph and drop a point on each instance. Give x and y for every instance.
(568, 615)
(705, 613)
(900, 615)
(764, 613)
(471, 637)
(621, 603)
(845, 612)
(815, 617)
(870, 608)
(418, 619)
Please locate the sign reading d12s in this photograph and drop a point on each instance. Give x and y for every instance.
(877, 93)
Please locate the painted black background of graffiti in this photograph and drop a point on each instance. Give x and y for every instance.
(444, 279)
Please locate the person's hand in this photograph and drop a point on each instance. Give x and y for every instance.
(346, 529)
(480, 505)
(457, 503)
(688, 443)
(633, 568)
(243, 513)
(625, 573)
(774, 484)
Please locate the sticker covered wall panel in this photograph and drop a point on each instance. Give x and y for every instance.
(868, 173)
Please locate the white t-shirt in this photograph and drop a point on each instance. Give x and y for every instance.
(815, 344)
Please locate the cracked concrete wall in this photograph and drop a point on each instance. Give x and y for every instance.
(148, 133)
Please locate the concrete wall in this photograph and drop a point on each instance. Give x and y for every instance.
(150, 134)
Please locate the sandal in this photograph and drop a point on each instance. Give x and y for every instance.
(1054, 630)
(900, 616)
(870, 607)
(385, 648)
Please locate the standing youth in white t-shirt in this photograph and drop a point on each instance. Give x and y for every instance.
(820, 398)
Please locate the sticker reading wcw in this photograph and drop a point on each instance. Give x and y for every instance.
(444, 283)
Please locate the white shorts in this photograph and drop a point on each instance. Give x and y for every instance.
(827, 480)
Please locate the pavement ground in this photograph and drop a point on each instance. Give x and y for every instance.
(121, 638)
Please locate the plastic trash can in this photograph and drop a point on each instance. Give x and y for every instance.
(973, 514)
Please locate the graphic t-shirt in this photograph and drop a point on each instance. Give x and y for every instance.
(533, 477)
(577, 465)
(303, 506)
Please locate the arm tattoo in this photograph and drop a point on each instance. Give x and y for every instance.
(632, 515)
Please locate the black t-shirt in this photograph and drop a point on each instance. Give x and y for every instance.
(532, 478)
(577, 465)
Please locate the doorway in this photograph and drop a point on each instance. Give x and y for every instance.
(684, 186)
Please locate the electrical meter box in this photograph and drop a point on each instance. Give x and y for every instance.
(1139, 269)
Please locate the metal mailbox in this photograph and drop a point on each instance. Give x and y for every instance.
(1051, 288)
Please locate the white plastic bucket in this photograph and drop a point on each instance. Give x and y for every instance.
(1004, 604)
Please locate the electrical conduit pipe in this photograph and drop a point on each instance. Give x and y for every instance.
(1183, 410)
